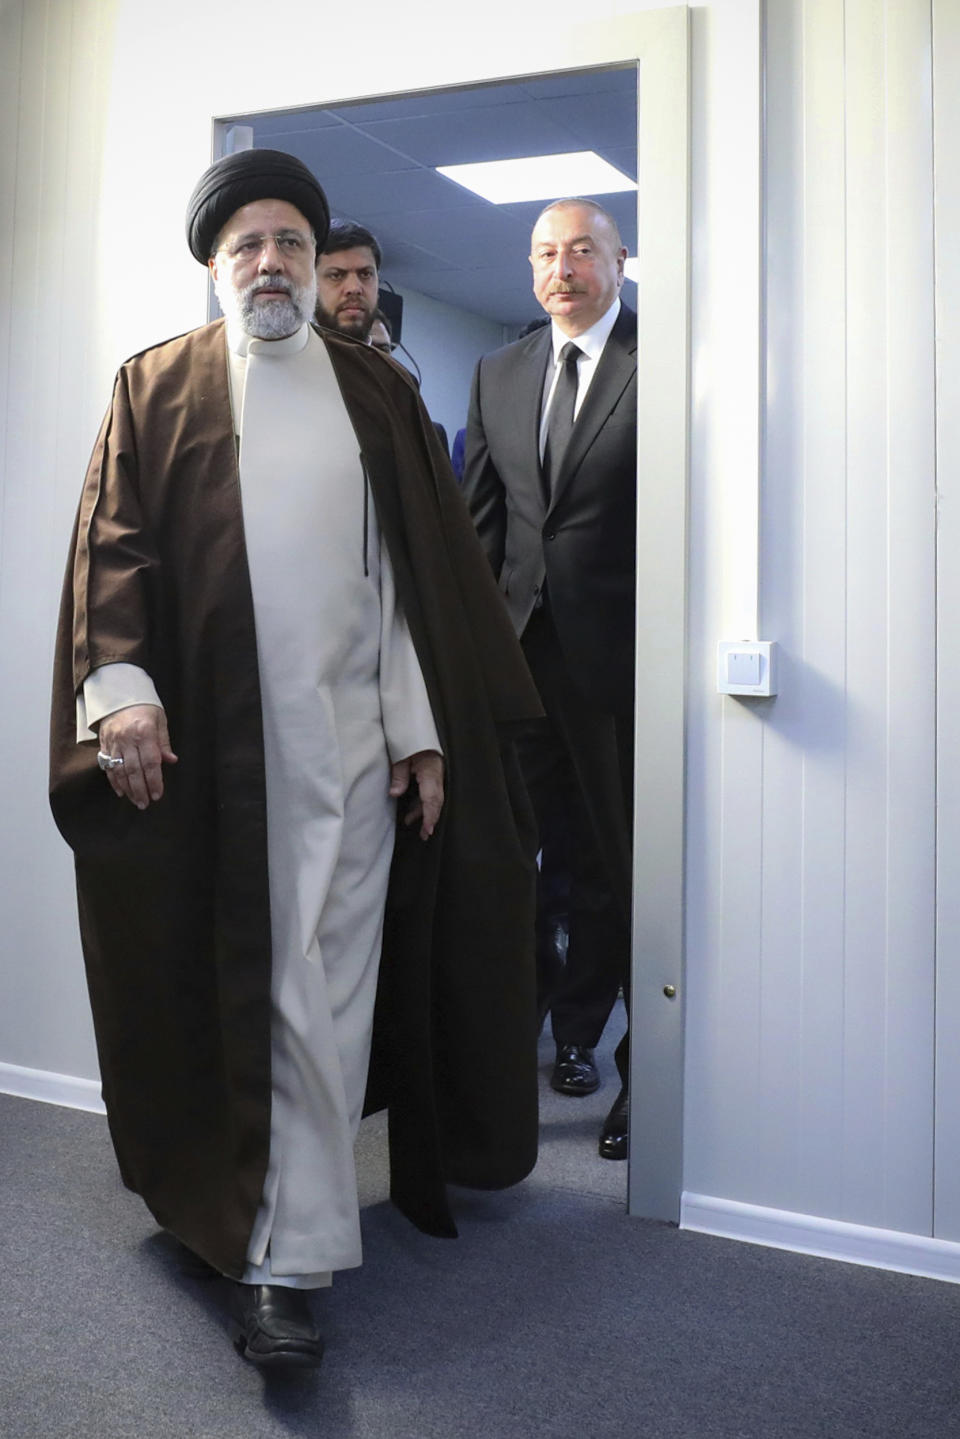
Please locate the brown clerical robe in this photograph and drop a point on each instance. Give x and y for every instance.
(174, 906)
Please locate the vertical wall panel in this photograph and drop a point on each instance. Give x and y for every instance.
(911, 621)
(946, 89)
(814, 311)
(52, 149)
(11, 29)
(890, 616)
(867, 518)
(722, 922)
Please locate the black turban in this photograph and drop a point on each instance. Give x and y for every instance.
(249, 175)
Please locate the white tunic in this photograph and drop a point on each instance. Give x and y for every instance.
(342, 695)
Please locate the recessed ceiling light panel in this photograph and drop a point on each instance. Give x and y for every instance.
(540, 177)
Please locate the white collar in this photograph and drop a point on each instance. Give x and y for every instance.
(240, 343)
(592, 341)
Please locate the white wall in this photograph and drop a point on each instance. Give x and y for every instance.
(446, 343)
(810, 883)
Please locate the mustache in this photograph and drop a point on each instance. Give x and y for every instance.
(567, 290)
(270, 282)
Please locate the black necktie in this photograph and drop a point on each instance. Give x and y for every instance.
(560, 418)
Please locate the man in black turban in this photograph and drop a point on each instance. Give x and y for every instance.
(250, 175)
(285, 687)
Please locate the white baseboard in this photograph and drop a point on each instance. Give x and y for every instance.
(63, 1089)
(827, 1238)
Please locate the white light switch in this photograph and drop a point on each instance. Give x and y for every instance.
(747, 667)
(743, 667)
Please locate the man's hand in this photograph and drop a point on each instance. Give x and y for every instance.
(427, 769)
(138, 734)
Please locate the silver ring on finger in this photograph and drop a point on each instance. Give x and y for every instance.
(109, 761)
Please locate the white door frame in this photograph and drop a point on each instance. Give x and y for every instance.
(663, 423)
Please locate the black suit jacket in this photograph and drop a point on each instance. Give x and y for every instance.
(582, 544)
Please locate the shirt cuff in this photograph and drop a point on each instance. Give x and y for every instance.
(111, 688)
(408, 723)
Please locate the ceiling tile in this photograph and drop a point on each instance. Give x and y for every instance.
(599, 119)
(496, 131)
(359, 195)
(475, 235)
(339, 150)
(401, 257)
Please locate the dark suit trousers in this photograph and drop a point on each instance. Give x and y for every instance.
(578, 767)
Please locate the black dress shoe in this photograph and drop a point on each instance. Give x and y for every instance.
(574, 1071)
(272, 1325)
(613, 1135)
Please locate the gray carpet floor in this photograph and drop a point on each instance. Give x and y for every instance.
(553, 1316)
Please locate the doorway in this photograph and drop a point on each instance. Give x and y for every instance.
(652, 73)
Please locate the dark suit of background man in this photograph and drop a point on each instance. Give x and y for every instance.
(555, 510)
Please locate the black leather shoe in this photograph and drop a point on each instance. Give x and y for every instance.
(613, 1135)
(272, 1325)
(574, 1071)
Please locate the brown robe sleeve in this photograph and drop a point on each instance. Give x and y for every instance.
(113, 557)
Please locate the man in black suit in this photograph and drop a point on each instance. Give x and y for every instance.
(550, 477)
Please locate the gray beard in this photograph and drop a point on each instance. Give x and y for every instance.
(270, 319)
